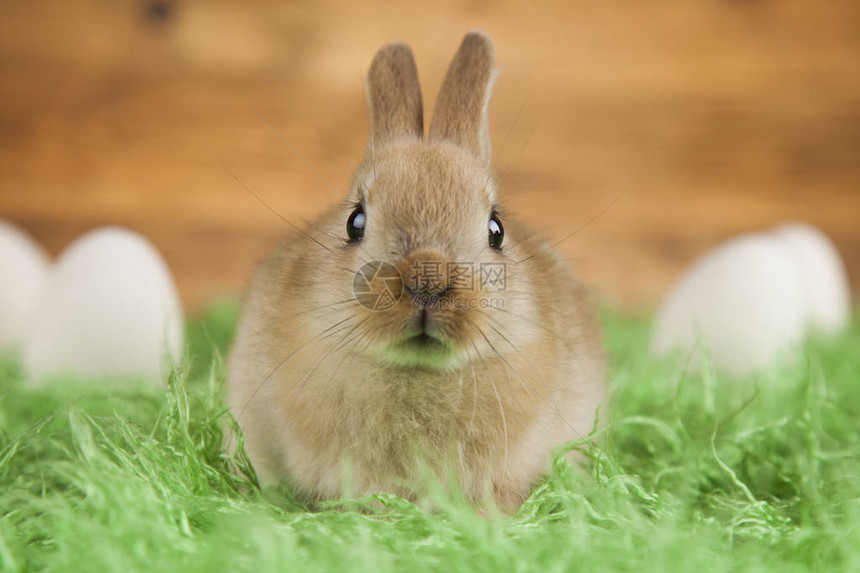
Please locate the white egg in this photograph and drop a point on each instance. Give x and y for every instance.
(743, 303)
(23, 270)
(110, 310)
(827, 294)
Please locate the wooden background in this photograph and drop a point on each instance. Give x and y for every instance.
(715, 117)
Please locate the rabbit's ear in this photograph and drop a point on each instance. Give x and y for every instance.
(461, 108)
(393, 95)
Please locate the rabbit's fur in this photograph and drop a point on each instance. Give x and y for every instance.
(334, 398)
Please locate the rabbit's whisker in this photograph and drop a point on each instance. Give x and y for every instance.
(498, 400)
(513, 346)
(322, 307)
(520, 376)
(294, 150)
(578, 229)
(332, 349)
(474, 395)
(516, 122)
(354, 342)
(523, 382)
(316, 338)
(558, 157)
(272, 209)
(575, 351)
(517, 241)
(531, 320)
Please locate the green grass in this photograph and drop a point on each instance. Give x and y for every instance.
(694, 474)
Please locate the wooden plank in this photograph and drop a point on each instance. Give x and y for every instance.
(716, 118)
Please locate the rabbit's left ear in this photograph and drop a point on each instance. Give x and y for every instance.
(461, 108)
(394, 95)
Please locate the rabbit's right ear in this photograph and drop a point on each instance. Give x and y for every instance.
(461, 107)
(393, 95)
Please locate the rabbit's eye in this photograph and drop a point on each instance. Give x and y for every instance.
(497, 232)
(355, 224)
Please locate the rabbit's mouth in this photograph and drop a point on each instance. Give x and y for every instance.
(424, 340)
(421, 350)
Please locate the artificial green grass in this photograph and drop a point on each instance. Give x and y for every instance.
(693, 473)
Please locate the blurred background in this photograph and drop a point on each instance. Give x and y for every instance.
(708, 118)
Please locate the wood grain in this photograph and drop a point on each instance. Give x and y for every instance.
(715, 118)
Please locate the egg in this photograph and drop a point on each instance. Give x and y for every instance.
(109, 310)
(825, 284)
(743, 303)
(23, 270)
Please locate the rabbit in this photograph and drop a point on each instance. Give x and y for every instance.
(472, 382)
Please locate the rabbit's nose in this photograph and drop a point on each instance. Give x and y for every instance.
(425, 272)
(426, 291)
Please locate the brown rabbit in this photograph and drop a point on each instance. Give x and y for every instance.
(368, 352)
